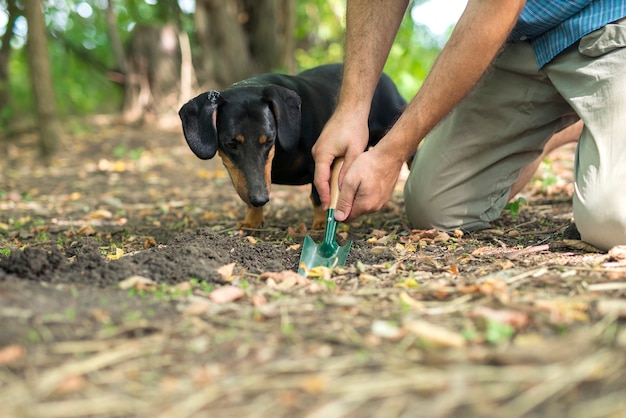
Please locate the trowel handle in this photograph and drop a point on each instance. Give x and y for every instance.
(334, 182)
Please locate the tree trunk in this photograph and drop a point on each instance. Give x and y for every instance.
(153, 77)
(239, 38)
(223, 40)
(39, 62)
(270, 28)
(114, 37)
(5, 55)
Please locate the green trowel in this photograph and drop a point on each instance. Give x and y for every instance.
(327, 253)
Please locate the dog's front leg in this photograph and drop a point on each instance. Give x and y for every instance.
(253, 219)
(319, 216)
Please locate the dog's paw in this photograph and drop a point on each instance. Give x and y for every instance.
(248, 225)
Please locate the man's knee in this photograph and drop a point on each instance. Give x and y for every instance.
(423, 209)
(427, 208)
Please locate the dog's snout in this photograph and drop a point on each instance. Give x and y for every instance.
(259, 200)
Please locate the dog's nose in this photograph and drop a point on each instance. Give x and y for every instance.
(259, 200)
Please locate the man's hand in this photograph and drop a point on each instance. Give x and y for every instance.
(367, 184)
(345, 135)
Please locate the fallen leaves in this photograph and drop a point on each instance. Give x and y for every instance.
(614, 307)
(226, 294)
(138, 283)
(516, 319)
(432, 334)
(11, 353)
(564, 311)
(284, 279)
(226, 271)
(117, 255)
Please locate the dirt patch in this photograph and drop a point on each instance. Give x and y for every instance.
(513, 321)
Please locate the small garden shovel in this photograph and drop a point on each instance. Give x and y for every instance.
(328, 253)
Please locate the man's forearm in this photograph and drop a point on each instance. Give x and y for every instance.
(478, 36)
(372, 26)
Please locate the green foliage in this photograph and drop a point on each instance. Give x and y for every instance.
(411, 57)
(320, 39)
(81, 55)
(320, 26)
(548, 176)
(498, 333)
(514, 207)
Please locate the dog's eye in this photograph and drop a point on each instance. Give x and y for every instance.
(232, 145)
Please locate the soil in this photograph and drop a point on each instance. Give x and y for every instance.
(126, 290)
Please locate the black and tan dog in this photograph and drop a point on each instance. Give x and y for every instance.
(264, 127)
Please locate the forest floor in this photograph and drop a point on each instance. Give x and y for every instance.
(126, 291)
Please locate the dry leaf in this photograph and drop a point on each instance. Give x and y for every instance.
(182, 287)
(226, 271)
(418, 234)
(606, 287)
(454, 269)
(118, 254)
(365, 276)
(137, 282)
(291, 277)
(300, 230)
(226, 294)
(581, 245)
(409, 301)
(71, 384)
(197, 306)
(149, 243)
(564, 311)
(407, 283)
(493, 286)
(516, 319)
(385, 329)
(11, 353)
(319, 272)
(618, 253)
(615, 307)
(314, 384)
(258, 300)
(442, 237)
(87, 230)
(101, 214)
(377, 250)
(251, 240)
(378, 233)
(434, 334)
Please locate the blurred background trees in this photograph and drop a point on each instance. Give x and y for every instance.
(140, 59)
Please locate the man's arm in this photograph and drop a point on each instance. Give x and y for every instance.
(371, 27)
(478, 36)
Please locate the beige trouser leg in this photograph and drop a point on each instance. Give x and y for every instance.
(462, 175)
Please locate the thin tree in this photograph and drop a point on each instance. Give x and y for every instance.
(5, 54)
(45, 101)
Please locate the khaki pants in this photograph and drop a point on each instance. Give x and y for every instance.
(462, 174)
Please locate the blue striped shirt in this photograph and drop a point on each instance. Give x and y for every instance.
(553, 25)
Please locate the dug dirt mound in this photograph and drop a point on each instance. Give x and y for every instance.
(195, 255)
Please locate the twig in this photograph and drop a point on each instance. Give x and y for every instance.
(527, 250)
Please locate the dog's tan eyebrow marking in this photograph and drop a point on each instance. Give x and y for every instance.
(239, 138)
(263, 139)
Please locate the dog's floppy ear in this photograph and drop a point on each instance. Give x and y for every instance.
(198, 117)
(285, 105)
